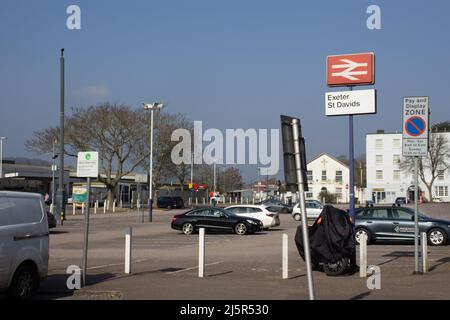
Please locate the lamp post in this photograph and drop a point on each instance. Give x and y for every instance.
(54, 169)
(1, 155)
(151, 106)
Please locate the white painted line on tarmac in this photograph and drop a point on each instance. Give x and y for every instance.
(193, 268)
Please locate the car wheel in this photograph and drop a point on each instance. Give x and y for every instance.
(188, 228)
(297, 217)
(361, 231)
(437, 237)
(24, 283)
(240, 228)
(336, 268)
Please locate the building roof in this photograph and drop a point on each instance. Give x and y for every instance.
(328, 155)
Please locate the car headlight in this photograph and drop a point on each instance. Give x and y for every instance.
(252, 222)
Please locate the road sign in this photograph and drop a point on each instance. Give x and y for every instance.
(87, 164)
(415, 126)
(79, 194)
(351, 69)
(350, 102)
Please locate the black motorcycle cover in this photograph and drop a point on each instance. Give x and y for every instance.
(331, 237)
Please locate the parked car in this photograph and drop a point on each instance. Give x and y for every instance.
(51, 220)
(215, 219)
(400, 200)
(24, 238)
(170, 202)
(397, 223)
(276, 206)
(268, 218)
(313, 210)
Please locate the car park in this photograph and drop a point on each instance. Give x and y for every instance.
(268, 218)
(313, 210)
(397, 223)
(170, 202)
(215, 219)
(24, 239)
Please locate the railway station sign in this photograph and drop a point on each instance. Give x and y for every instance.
(351, 69)
(341, 103)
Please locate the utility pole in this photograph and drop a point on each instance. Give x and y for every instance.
(1, 155)
(61, 201)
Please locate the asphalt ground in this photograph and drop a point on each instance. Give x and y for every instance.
(165, 264)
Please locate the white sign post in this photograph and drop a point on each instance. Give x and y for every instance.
(415, 144)
(342, 103)
(87, 167)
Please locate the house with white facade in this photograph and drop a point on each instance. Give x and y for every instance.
(387, 181)
(325, 172)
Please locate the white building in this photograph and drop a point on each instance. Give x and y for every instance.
(325, 172)
(385, 179)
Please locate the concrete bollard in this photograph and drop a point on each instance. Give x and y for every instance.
(121, 203)
(201, 253)
(253, 200)
(424, 242)
(363, 256)
(95, 207)
(114, 206)
(82, 208)
(73, 208)
(236, 200)
(204, 201)
(128, 244)
(104, 206)
(196, 201)
(285, 261)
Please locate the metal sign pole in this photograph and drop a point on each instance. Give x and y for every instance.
(416, 210)
(351, 165)
(303, 208)
(86, 232)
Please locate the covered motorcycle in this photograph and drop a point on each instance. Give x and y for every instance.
(332, 242)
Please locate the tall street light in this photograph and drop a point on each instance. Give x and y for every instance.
(1, 155)
(61, 193)
(152, 107)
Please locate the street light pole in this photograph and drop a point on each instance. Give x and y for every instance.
(61, 208)
(54, 168)
(151, 107)
(1, 155)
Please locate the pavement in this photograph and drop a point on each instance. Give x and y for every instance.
(236, 267)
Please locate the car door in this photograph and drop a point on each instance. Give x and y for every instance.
(404, 223)
(378, 222)
(222, 220)
(6, 242)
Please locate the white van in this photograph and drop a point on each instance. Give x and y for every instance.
(24, 243)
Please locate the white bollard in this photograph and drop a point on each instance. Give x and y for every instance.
(51, 208)
(95, 207)
(82, 208)
(121, 203)
(104, 206)
(253, 200)
(114, 206)
(204, 201)
(285, 261)
(128, 243)
(242, 199)
(73, 208)
(201, 253)
(236, 200)
(423, 237)
(363, 256)
(246, 200)
(196, 201)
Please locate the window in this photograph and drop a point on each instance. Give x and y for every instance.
(374, 214)
(396, 143)
(398, 214)
(324, 175)
(309, 195)
(339, 176)
(441, 191)
(16, 210)
(440, 175)
(396, 175)
(379, 159)
(309, 173)
(339, 193)
(379, 143)
(379, 174)
(396, 159)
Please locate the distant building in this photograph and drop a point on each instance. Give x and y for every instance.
(325, 172)
(386, 181)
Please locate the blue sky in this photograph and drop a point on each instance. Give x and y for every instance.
(229, 63)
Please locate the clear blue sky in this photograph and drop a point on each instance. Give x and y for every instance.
(229, 63)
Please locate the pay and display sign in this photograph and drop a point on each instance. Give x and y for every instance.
(87, 164)
(415, 126)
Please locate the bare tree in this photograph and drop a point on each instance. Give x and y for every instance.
(110, 129)
(438, 159)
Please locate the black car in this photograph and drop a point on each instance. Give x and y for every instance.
(400, 200)
(276, 206)
(397, 223)
(215, 219)
(51, 220)
(170, 202)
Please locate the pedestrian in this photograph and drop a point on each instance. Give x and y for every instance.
(47, 198)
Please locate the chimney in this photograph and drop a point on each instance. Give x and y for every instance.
(380, 131)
